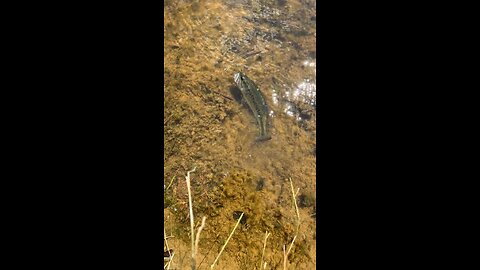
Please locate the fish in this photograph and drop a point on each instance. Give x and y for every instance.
(252, 96)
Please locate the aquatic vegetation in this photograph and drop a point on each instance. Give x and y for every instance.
(245, 233)
(205, 43)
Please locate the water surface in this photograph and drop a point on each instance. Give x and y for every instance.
(273, 43)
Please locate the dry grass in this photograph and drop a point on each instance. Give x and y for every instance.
(187, 178)
(267, 234)
(226, 242)
(294, 197)
(167, 266)
(195, 237)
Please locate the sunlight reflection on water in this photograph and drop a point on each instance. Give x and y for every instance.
(303, 93)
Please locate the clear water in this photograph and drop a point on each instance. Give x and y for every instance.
(274, 44)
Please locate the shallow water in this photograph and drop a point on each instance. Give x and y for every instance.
(273, 43)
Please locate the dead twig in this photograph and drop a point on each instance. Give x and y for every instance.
(229, 98)
(215, 92)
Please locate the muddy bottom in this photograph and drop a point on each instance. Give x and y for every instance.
(207, 128)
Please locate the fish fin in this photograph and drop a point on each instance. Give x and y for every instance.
(243, 101)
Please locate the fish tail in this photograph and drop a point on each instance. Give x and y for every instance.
(262, 138)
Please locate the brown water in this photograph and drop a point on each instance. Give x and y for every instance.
(273, 43)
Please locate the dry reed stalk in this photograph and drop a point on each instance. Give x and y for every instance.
(226, 242)
(187, 178)
(197, 240)
(170, 184)
(166, 244)
(165, 238)
(267, 234)
(167, 266)
(169, 263)
(285, 255)
(294, 197)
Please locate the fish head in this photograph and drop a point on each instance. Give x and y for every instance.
(238, 78)
(242, 81)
